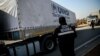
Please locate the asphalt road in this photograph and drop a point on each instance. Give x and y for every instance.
(88, 50)
(94, 52)
(84, 36)
(56, 52)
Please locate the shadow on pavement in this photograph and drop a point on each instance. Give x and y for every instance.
(94, 52)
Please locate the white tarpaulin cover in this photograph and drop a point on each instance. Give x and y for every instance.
(33, 13)
(10, 9)
(28, 13)
(9, 6)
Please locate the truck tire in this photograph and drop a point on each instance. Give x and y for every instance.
(48, 44)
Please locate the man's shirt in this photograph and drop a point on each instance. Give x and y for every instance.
(65, 30)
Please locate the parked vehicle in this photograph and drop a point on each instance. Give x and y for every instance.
(29, 18)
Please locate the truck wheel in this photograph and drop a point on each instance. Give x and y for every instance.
(48, 44)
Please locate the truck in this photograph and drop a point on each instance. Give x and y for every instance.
(24, 19)
(95, 16)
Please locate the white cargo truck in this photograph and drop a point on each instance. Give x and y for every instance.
(24, 19)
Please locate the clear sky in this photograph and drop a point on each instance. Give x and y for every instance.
(82, 8)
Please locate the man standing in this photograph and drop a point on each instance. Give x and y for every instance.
(66, 36)
(92, 24)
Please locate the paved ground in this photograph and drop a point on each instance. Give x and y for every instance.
(94, 52)
(87, 50)
(54, 53)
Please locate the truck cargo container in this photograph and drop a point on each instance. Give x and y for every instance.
(23, 19)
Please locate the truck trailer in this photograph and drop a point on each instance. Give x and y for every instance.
(23, 19)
